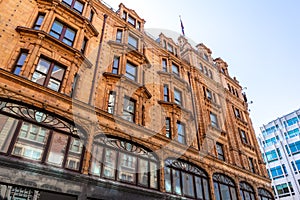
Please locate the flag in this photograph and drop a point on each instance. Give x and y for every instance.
(182, 27)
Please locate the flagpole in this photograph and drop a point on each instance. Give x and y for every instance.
(182, 27)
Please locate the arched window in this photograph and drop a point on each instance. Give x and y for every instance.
(37, 136)
(123, 161)
(264, 194)
(247, 192)
(186, 180)
(224, 187)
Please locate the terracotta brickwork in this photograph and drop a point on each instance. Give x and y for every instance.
(101, 73)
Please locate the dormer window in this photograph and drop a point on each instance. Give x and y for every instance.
(131, 20)
(170, 48)
(124, 16)
(205, 56)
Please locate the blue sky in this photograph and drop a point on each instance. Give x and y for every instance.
(259, 40)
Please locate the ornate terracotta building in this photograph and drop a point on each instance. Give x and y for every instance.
(92, 107)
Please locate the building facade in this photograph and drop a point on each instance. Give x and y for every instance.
(92, 107)
(280, 144)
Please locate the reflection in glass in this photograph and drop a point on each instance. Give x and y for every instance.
(57, 149)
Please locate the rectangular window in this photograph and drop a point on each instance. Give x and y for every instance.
(168, 128)
(177, 97)
(83, 46)
(208, 94)
(237, 113)
(74, 4)
(119, 35)
(297, 162)
(292, 121)
(293, 148)
(133, 41)
(181, 133)
(284, 189)
(164, 65)
(138, 25)
(220, 152)
(129, 109)
(166, 93)
(244, 137)
(20, 62)
(63, 33)
(92, 13)
(39, 21)
(124, 15)
(251, 165)
(111, 102)
(175, 69)
(74, 85)
(271, 141)
(170, 48)
(48, 74)
(131, 71)
(115, 67)
(131, 20)
(31, 134)
(214, 120)
(273, 155)
(292, 133)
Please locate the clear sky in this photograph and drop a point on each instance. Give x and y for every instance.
(259, 40)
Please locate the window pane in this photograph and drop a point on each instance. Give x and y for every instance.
(56, 29)
(57, 72)
(96, 160)
(233, 193)
(176, 182)
(31, 141)
(143, 172)
(38, 78)
(153, 175)
(168, 179)
(70, 34)
(74, 154)
(109, 163)
(177, 97)
(217, 191)
(225, 193)
(39, 22)
(175, 69)
(133, 41)
(57, 149)
(199, 188)
(43, 66)
(69, 2)
(127, 167)
(111, 102)
(187, 184)
(131, 71)
(206, 189)
(7, 129)
(78, 6)
(54, 84)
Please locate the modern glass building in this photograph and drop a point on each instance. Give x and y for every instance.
(280, 145)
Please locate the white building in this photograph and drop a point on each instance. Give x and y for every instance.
(279, 141)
